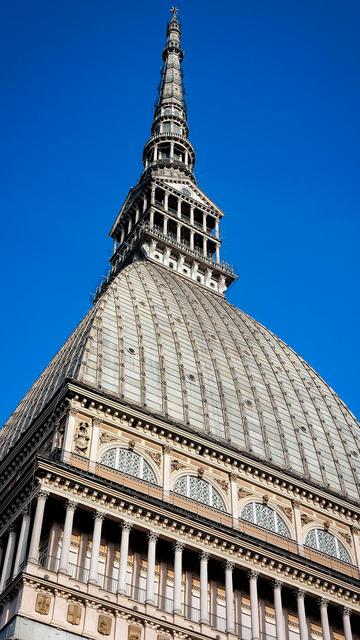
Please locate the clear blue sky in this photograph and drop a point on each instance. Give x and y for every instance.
(273, 94)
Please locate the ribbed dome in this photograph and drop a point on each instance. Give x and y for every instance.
(159, 341)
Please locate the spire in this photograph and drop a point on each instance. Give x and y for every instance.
(166, 217)
(169, 151)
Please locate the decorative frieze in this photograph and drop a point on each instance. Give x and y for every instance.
(42, 603)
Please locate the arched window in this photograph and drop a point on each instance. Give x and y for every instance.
(326, 543)
(199, 490)
(265, 517)
(128, 462)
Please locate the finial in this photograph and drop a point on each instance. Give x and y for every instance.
(174, 10)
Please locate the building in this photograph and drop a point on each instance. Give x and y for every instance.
(177, 471)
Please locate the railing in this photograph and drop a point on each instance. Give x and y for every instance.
(138, 594)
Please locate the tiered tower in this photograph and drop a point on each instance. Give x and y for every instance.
(166, 217)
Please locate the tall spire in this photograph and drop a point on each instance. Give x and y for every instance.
(166, 218)
(169, 149)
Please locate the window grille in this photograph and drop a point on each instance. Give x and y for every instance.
(326, 543)
(265, 517)
(128, 462)
(199, 490)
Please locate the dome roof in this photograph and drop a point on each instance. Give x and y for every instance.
(172, 347)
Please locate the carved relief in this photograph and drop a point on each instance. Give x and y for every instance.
(176, 465)
(305, 519)
(243, 493)
(82, 438)
(74, 614)
(287, 510)
(346, 536)
(134, 633)
(104, 625)
(156, 457)
(42, 604)
(107, 437)
(222, 483)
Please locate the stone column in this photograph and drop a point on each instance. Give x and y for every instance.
(302, 615)
(229, 597)
(150, 578)
(234, 500)
(137, 214)
(324, 619)
(155, 153)
(192, 208)
(178, 547)
(69, 434)
(124, 552)
(217, 228)
(298, 525)
(254, 605)
(217, 250)
(192, 234)
(347, 624)
(186, 157)
(151, 218)
(204, 609)
(166, 201)
(152, 197)
(66, 542)
(22, 542)
(178, 233)
(278, 610)
(95, 550)
(356, 542)
(165, 225)
(94, 444)
(205, 247)
(171, 150)
(37, 526)
(166, 471)
(179, 208)
(8, 560)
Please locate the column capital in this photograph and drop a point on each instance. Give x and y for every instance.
(346, 611)
(323, 602)
(167, 448)
(71, 505)
(125, 525)
(152, 536)
(229, 565)
(277, 584)
(296, 504)
(178, 545)
(253, 574)
(204, 555)
(300, 594)
(12, 528)
(98, 515)
(42, 494)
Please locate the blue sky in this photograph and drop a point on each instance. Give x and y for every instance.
(273, 94)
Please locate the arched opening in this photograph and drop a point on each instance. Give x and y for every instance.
(198, 244)
(185, 236)
(172, 204)
(164, 151)
(199, 490)
(171, 229)
(158, 221)
(185, 211)
(159, 196)
(198, 218)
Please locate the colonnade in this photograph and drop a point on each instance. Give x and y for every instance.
(15, 556)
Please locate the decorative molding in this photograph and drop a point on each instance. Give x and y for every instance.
(346, 536)
(305, 519)
(287, 510)
(106, 437)
(82, 438)
(156, 457)
(222, 483)
(176, 465)
(42, 604)
(243, 493)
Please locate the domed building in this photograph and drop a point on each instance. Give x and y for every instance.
(177, 471)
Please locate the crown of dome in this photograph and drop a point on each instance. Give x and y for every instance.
(158, 341)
